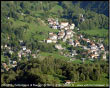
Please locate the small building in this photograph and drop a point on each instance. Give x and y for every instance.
(104, 57)
(68, 32)
(67, 81)
(72, 26)
(49, 40)
(61, 34)
(5, 45)
(77, 43)
(55, 27)
(1, 46)
(24, 48)
(14, 64)
(53, 36)
(63, 24)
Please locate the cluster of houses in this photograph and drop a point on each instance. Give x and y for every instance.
(23, 52)
(66, 33)
(94, 49)
(65, 30)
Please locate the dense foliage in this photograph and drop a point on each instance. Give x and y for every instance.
(38, 71)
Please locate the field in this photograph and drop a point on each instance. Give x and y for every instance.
(36, 30)
(56, 55)
(96, 32)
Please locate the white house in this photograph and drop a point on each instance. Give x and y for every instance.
(55, 27)
(63, 24)
(24, 47)
(8, 18)
(49, 40)
(14, 64)
(72, 26)
(53, 36)
(67, 82)
(5, 45)
(93, 47)
(104, 57)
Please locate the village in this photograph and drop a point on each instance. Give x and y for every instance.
(66, 34)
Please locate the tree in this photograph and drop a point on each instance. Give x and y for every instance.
(82, 77)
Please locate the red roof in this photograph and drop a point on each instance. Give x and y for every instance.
(68, 81)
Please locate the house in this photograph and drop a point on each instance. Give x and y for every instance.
(14, 64)
(51, 33)
(49, 40)
(1, 46)
(93, 47)
(53, 36)
(8, 18)
(77, 43)
(24, 48)
(101, 45)
(67, 81)
(102, 48)
(78, 29)
(63, 24)
(72, 26)
(68, 32)
(55, 27)
(104, 56)
(61, 34)
(5, 45)
(94, 56)
(67, 27)
(58, 46)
